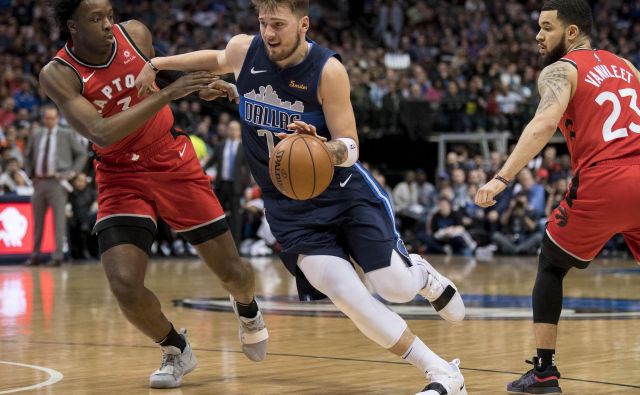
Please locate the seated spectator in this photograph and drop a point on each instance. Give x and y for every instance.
(452, 109)
(14, 180)
(7, 114)
(534, 192)
(520, 232)
(427, 193)
(12, 147)
(405, 201)
(459, 185)
(445, 232)
(557, 192)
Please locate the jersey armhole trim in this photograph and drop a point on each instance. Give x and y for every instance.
(571, 62)
(65, 63)
(131, 42)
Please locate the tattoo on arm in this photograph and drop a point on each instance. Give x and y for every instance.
(553, 82)
(338, 151)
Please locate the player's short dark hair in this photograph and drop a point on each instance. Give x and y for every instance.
(63, 11)
(572, 12)
(299, 7)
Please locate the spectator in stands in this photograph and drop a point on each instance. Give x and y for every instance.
(25, 97)
(535, 192)
(508, 100)
(427, 193)
(452, 109)
(459, 185)
(405, 200)
(520, 232)
(7, 112)
(556, 193)
(14, 180)
(445, 232)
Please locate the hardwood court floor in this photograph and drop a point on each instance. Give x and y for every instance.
(66, 319)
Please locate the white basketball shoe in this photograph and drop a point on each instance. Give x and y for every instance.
(440, 292)
(446, 383)
(174, 366)
(253, 334)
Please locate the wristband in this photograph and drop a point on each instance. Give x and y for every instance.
(154, 68)
(352, 152)
(502, 179)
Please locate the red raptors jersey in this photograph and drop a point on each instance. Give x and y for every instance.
(110, 88)
(602, 121)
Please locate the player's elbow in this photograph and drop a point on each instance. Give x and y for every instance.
(544, 127)
(98, 135)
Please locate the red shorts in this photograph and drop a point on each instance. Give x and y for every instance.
(602, 200)
(164, 179)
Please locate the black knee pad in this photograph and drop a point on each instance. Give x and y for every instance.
(556, 256)
(112, 236)
(547, 291)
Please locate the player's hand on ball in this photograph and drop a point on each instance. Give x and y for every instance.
(220, 88)
(300, 127)
(486, 195)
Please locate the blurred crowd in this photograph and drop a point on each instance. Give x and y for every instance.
(417, 67)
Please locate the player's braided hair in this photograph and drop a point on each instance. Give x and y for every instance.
(572, 12)
(63, 11)
(299, 7)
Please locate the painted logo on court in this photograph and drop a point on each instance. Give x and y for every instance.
(478, 307)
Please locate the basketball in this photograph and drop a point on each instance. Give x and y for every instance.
(301, 167)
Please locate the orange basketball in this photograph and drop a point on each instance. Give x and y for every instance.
(301, 167)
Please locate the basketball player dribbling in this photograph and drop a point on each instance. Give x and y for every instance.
(144, 168)
(290, 84)
(592, 96)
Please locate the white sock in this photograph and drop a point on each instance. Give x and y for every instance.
(421, 356)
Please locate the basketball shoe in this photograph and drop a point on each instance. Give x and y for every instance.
(253, 334)
(440, 292)
(445, 383)
(536, 381)
(174, 366)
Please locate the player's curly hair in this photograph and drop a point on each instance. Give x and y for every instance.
(63, 11)
(299, 7)
(572, 12)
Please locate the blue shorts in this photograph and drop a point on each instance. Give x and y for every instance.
(353, 218)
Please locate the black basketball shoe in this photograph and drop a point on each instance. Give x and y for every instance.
(536, 381)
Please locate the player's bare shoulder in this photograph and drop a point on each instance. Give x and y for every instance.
(236, 51)
(555, 82)
(632, 67)
(140, 34)
(558, 74)
(334, 76)
(59, 81)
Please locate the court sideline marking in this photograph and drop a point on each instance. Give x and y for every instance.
(54, 377)
(309, 356)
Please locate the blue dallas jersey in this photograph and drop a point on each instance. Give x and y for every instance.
(353, 218)
(271, 98)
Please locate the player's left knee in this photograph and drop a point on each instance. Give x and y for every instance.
(394, 283)
(394, 293)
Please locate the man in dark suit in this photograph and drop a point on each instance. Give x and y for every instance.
(53, 156)
(232, 176)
